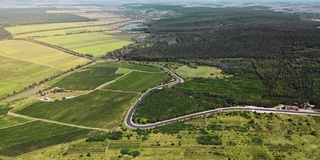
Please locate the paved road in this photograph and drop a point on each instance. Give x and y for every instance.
(130, 123)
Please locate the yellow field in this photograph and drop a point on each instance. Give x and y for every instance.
(96, 44)
(63, 32)
(23, 63)
(55, 26)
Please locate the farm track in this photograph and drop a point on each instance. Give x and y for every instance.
(55, 122)
(57, 48)
(95, 25)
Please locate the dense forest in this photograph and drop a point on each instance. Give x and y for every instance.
(204, 33)
(278, 52)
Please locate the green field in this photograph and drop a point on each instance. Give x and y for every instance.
(6, 121)
(88, 78)
(97, 109)
(36, 135)
(63, 32)
(96, 44)
(39, 27)
(132, 66)
(138, 81)
(243, 135)
(199, 72)
(23, 63)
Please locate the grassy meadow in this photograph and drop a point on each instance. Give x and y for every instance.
(23, 63)
(138, 81)
(199, 72)
(96, 44)
(100, 108)
(36, 135)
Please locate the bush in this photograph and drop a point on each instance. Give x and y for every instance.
(209, 140)
(133, 153)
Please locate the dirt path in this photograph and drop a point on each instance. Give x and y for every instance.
(51, 121)
(25, 94)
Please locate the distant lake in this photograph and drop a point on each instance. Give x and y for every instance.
(132, 26)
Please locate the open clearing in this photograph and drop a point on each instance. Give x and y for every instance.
(138, 81)
(36, 135)
(200, 71)
(23, 63)
(96, 44)
(100, 108)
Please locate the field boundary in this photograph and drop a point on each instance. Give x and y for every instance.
(55, 122)
(57, 29)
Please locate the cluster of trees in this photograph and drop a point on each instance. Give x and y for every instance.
(127, 151)
(209, 140)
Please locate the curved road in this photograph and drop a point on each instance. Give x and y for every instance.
(130, 123)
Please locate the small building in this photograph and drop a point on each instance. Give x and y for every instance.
(290, 107)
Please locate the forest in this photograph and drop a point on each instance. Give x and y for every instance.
(278, 51)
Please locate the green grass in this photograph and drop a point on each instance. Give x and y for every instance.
(97, 109)
(230, 86)
(88, 78)
(6, 121)
(96, 44)
(179, 140)
(131, 66)
(123, 71)
(23, 63)
(32, 136)
(199, 72)
(138, 81)
(4, 110)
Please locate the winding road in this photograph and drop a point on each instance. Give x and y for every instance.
(132, 125)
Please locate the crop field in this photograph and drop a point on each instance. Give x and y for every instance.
(23, 63)
(88, 78)
(39, 27)
(97, 109)
(63, 32)
(133, 67)
(96, 44)
(138, 81)
(36, 135)
(200, 71)
(243, 135)
(6, 121)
